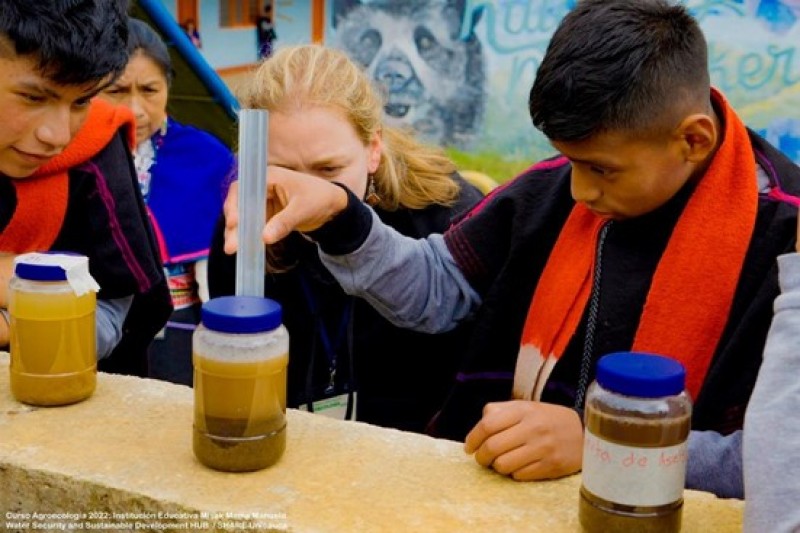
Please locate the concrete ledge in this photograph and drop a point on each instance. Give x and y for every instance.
(128, 449)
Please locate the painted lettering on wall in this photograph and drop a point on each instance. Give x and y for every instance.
(459, 71)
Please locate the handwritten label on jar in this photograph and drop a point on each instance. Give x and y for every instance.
(633, 475)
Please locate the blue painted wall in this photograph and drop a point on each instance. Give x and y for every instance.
(233, 47)
(224, 47)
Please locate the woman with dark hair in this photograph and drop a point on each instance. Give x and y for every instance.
(181, 171)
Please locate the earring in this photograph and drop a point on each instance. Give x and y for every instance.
(372, 197)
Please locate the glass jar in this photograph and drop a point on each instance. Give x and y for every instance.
(240, 356)
(52, 305)
(637, 422)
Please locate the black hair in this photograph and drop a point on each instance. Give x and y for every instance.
(620, 65)
(143, 38)
(72, 41)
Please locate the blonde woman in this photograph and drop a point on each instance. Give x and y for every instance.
(326, 120)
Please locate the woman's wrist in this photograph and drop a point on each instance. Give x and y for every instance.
(349, 227)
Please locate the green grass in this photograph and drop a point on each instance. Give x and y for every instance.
(492, 164)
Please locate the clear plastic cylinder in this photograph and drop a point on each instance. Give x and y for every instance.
(52, 342)
(250, 260)
(240, 356)
(637, 423)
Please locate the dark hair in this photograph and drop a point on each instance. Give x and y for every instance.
(73, 41)
(142, 38)
(620, 65)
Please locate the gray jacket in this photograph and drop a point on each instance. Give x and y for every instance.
(772, 422)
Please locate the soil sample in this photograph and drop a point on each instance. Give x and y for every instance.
(240, 364)
(637, 420)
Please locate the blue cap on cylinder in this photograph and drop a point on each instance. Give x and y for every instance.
(241, 314)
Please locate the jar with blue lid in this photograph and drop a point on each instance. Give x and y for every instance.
(240, 357)
(52, 305)
(637, 421)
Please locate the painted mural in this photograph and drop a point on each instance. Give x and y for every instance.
(459, 71)
(430, 65)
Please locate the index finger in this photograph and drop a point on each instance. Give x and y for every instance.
(496, 418)
(230, 210)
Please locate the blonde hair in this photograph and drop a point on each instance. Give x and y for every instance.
(410, 174)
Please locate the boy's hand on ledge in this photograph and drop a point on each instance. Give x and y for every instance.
(528, 440)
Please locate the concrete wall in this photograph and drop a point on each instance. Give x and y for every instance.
(124, 458)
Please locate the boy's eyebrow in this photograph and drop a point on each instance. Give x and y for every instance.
(32, 86)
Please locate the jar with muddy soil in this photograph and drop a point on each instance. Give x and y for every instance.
(637, 422)
(240, 357)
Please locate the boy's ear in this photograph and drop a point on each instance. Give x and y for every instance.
(699, 134)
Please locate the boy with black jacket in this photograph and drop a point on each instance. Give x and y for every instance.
(655, 229)
(66, 173)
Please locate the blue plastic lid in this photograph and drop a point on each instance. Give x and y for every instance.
(241, 314)
(32, 267)
(641, 374)
(40, 272)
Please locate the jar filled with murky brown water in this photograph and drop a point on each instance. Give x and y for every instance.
(240, 357)
(637, 422)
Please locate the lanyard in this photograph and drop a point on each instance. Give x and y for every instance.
(330, 345)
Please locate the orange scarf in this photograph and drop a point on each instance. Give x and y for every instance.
(693, 286)
(42, 198)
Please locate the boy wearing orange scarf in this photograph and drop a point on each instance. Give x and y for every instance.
(66, 174)
(656, 229)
